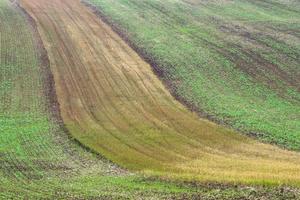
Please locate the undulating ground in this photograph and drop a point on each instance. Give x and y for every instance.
(40, 160)
(234, 61)
(112, 102)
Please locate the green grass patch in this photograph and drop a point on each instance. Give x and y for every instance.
(235, 61)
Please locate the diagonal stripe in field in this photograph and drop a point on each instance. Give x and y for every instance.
(112, 102)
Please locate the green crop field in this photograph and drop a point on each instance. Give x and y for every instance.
(234, 61)
(37, 158)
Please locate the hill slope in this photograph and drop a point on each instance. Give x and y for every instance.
(234, 61)
(38, 160)
(111, 101)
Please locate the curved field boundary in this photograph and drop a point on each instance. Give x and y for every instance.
(38, 160)
(111, 101)
(236, 62)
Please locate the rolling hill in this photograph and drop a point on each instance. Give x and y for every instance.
(112, 102)
(233, 61)
(84, 116)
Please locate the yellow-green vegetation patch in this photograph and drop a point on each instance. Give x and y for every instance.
(37, 159)
(234, 61)
(112, 102)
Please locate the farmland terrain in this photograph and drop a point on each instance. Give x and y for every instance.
(38, 160)
(236, 62)
(111, 101)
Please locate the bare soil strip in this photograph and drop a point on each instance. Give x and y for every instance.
(111, 101)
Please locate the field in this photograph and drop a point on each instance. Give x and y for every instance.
(37, 158)
(236, 61)
(83, 116)
(112, 102)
